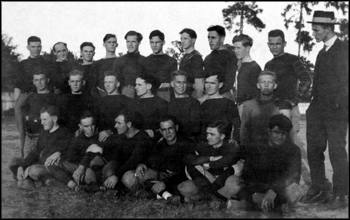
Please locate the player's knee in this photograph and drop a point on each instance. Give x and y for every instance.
(129, 179)
(187, 188)
(90, 176)
(234, 183)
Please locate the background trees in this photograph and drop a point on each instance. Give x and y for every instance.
(9, 61)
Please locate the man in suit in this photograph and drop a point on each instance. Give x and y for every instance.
(327, 115)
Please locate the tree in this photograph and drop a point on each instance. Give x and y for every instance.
(9, 63)
(176, 50)
(248, 12)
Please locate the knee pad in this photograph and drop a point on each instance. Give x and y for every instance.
(130, 180)
(187, 188)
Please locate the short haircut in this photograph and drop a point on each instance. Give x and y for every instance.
(110, 73)
(76, 72)
(87, 114)
(157, 33)
(65, 45)
(178, 73)
(139, 36)
(108, 36)
(86, 44)
(223, 126)
(282, 122)
(151, 80)
(246, 40)
(276, 33)
(50, 109)
(190, 32)
(219, 29)
(213, 72)
(38, 70)
(132, 116)
(268, 73)
(33, 39)
(165, 118)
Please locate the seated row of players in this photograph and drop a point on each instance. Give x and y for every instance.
(108, 159)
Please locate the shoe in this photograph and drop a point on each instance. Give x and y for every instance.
(311, 195)
(175, 200)
(27, 184)
(144, 194)
(337, 202)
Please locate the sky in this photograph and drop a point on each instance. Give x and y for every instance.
(76, 22)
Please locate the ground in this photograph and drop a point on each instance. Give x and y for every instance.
(60, 202)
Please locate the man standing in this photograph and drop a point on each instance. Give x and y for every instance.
(192, 63)
(184, 107)
(130, 65)
(87, 52)
(292, 77)
(24, 82)
(33, 104)
(247, 78)
(160, 65)
(71, 105)
(150, 106)
(216, 107)
(327, 116)
(221, 58)
(110, 44)
(63, 66)
(110, 106)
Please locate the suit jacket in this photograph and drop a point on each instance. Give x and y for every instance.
(331, 77)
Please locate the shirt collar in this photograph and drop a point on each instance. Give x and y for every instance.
(330, 42)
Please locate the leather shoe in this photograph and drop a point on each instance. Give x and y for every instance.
(338, 201)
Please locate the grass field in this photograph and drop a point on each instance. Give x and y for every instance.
(60, 202)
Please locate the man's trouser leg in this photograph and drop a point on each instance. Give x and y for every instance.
(20, 120)
(336, 123)
(316, 138)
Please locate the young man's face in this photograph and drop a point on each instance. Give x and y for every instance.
(179, 83)
(320, 33)
(111, 44)
(266, 84)
(40, 81)
(111, 84)
(214, 138)
(240, 50)
(215, 41)
(276, 46)
(142, 87)
(47, 121)
(76, 83)
(34, 48)
(277, 137)
(132, 44)
(61, 52)
(186, 41)
(156, 44)
(88, 126)
(121, 125)
(212, 85)
(88, 53)
(168, 130)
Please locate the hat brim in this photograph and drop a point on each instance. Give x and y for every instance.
(313, 22)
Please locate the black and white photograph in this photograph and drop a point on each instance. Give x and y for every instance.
(189, 109)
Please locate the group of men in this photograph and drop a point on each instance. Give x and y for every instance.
(215, 129)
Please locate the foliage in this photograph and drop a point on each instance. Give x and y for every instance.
(9, 63)
(247, 12)
(176, 50)
(344, 30)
